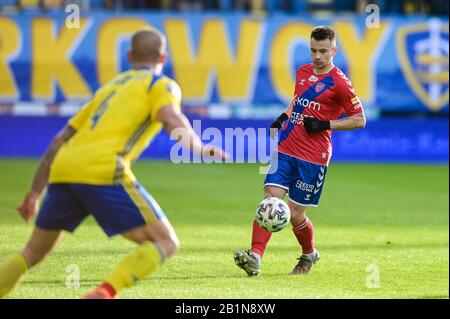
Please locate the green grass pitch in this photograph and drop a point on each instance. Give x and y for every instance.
(389, 221)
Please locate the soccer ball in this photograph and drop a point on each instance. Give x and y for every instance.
(273, 214)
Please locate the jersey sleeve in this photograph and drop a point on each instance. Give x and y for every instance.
(297, 80)
(77, 120)
(348, 99)
(165, 92)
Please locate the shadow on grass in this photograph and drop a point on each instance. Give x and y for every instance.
(357, 247)
(218, 276)
(84, 282)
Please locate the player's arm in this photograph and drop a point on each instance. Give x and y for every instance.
(278, 123)
(41, 177)
(349, 123)
(355, 119)
(313, 125)
(28, 207)
(176, 123)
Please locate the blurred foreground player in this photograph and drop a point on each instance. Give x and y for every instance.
(86, 171)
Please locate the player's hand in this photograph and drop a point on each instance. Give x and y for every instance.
(277, 124)
(29, 206)
(313, 125)
(212, 151)
(274, 133)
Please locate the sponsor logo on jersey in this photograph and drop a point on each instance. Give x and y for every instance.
(307, 103)
(313, 78)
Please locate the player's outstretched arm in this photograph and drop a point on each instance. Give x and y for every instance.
(176, 123)
(349, 123)
(29, 205)
(313, 125)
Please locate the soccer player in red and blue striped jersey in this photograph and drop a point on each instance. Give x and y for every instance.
(322, 94)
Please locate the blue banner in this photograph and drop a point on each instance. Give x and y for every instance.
(401, 64)
(388, 140)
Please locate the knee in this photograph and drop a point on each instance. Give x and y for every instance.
(170, 246)
(174, 246)
(269, 193)
(32, 256)
(296, 221)
(274, 191)
(297, 217)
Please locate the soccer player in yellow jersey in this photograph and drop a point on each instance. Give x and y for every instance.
(86, 171)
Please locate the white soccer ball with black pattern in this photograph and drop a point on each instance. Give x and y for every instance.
(273, 214)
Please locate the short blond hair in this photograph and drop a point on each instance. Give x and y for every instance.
(148, 45)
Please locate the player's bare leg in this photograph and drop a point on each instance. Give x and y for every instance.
(14, 267)
(160, 232)
(304, 231)
(40, 244)
(274, 191)
(157, 241)
(250, 260)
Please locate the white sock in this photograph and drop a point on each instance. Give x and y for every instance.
(257, 256)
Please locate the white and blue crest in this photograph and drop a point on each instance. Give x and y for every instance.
(423, 53)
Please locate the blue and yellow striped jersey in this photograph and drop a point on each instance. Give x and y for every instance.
(114, 128)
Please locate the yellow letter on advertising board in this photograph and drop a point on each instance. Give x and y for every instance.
(10, 44)
(109, 35)
(282, 70)
(360, 53)
(51, 60)
(236, 73)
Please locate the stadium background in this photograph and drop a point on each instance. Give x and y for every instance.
(235, 62)
(236, 68)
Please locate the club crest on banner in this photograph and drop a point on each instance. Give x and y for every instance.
(423, 53)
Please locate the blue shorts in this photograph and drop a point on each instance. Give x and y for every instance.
(116, 208)
(303, 180)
